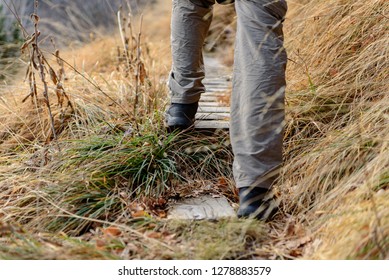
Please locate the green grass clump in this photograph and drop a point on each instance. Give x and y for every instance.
(141, 165)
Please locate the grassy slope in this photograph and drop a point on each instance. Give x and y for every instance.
(86, 200)
(337, 133)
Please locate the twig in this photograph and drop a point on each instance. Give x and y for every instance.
(41, 68)
(138, 71)
(122, 36)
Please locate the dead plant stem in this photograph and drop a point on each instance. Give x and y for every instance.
(138, 71)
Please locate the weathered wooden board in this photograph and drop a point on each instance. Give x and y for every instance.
(213, 109)
(216, 90)
(212, 116)
(209, 98)
(202, 208)
(210, 104)
(212, 113)
(216, 94)
(211, 124)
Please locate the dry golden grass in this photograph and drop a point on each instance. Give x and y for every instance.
(337, 130)
(334, 185)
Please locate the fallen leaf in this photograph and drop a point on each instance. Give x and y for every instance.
(100, 244)
(138, 214)
(154, 235)
(162, 214)
(112, 231)
(162, 201)
(222, 182)
(296, 253)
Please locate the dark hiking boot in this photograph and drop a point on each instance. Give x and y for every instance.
(225, 2)
(257, 203)
(180, 116)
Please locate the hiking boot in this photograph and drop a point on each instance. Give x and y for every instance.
(180, 116)
(257, 203)
(225, 2)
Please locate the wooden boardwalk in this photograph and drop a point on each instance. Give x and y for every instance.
(214, 110)
(213, 114)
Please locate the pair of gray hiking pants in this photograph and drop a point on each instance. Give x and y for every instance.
(257, 103)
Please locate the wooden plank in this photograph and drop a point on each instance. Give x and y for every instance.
(212, 116)
(202, 208)
(215, 94)
(217, 82)
(211, 124)
(212, 90)
(213, 109)
(209, 98)
(209, 104)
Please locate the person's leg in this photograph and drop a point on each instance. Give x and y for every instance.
(257, 104)
(190, 23)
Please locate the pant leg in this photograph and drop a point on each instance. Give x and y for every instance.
(190, 24)
(257, 104)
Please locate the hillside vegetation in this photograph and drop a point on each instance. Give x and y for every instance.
(76, 21)
(95, 180)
